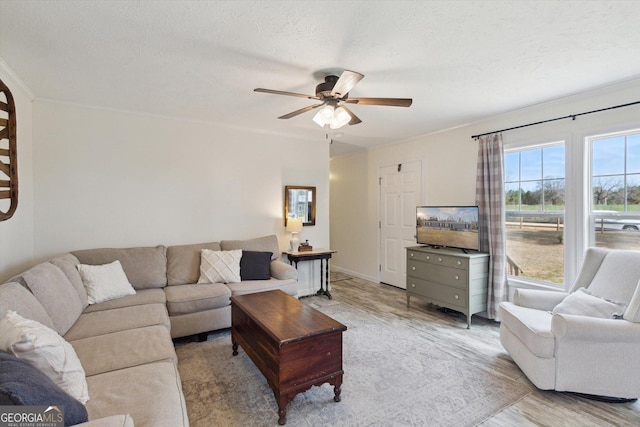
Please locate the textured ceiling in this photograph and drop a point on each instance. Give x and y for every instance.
(460, 61)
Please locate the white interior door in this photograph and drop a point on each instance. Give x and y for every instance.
(399, 195)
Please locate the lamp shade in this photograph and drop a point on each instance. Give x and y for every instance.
(340, 118)
(294, 225)
(324, 116)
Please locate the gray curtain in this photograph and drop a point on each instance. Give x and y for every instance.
(490, 200)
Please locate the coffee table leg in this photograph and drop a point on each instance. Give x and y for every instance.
(337, 388)
(282, 413)
(234, 345)
(336, 391)
(282, 401)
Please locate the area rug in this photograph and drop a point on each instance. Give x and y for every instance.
(393, 376)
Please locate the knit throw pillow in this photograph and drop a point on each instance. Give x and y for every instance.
(220, 266)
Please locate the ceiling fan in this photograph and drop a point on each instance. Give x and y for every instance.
(333, 91)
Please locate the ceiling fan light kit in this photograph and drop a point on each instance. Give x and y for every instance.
(332, 91)
(334, 117)
(340, 118)
(325, 115)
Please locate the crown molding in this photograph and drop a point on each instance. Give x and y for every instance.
(5, 69)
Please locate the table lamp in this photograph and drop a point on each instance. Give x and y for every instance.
(294, 226)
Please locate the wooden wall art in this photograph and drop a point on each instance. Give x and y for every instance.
(8, 155)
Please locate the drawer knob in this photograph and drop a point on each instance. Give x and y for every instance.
(413, 268)
(456, 297)
(457, 277)
(459, 263)
(439, 259)
(413, 285)
(411, 254)
(428, 256)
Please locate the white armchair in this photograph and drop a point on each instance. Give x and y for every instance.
(559, 349)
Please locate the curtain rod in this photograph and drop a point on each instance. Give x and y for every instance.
(570, 116)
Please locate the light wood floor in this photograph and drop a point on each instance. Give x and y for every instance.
(481, 346)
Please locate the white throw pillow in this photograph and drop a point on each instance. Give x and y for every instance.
(46, 350)
(582, 303)
(105, 282)
(220, 266)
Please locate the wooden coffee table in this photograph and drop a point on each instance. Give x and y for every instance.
(294, 346)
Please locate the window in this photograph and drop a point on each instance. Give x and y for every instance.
(535, 205)
(615, 190)
(552, 216)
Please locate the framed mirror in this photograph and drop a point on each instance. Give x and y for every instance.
(300, 202)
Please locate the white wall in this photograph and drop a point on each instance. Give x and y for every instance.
(450, 165)
(114, 179)
(350, 216)
(16, 233)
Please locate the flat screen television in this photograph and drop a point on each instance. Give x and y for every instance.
(448, 226)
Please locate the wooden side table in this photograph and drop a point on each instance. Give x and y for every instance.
(322, 255)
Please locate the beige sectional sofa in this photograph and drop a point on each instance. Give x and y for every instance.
(125, 345)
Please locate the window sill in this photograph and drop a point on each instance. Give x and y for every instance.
(514, 283)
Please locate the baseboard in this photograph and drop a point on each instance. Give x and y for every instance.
(353, 273)
(306, 292)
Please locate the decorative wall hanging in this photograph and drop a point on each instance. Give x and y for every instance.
(8, 155)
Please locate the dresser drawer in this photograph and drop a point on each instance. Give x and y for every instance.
(438, 294)
(437, 273)
(438, 259)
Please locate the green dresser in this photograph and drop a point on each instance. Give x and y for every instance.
(448, 278)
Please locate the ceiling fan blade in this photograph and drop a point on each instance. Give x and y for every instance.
(388, 102)
(354, 119)
(300, 111)
(346, 82)
(281, 92)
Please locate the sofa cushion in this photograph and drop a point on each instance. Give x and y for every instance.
(146, 267)
(259, 244)
(120, 420)
(150, 393)
(531, 326)
(187, 299)
(118, 319)
(141, 297)
(46, 350)
(67, 264)
(124, 349)
(105, 282)
(582, 303)
(183, 262)
(251, 286)
(255, 265)
(201, 321)
(14, 296)
(23, 384)
(56, 294)
(220, 266)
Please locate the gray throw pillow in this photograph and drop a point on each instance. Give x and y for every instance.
(255, 265)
